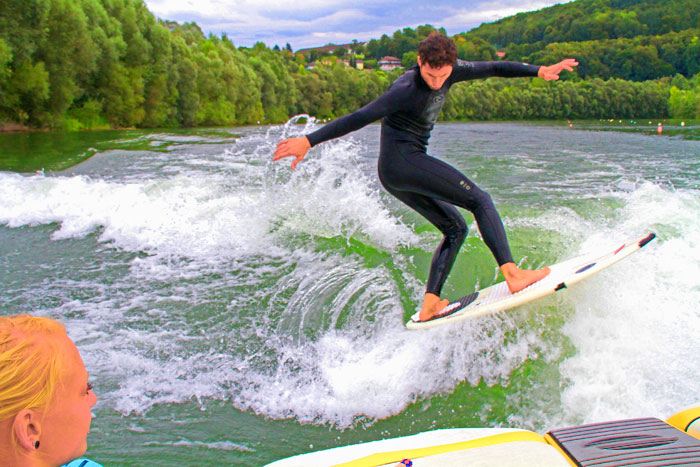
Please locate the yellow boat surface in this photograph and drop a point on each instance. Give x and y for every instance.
(639, 442)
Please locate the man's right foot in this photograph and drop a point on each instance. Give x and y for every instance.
(432, 306)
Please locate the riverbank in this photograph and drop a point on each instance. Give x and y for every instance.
(6, 127)
(670, 126)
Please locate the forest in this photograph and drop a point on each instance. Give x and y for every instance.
(81, 64)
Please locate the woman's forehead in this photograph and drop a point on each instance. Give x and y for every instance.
(74, 366)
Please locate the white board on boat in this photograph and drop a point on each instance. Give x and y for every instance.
(498, 298)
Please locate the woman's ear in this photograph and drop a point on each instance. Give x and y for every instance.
(27, 429)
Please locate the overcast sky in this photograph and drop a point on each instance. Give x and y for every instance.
(319, 22)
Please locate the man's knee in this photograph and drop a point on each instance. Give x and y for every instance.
(457, 231)
(481, 200)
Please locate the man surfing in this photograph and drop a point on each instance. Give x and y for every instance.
(409, 110)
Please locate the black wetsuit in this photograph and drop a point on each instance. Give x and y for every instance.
(409, 109)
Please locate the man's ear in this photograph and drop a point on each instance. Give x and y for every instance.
(419, 62)
(27, 429)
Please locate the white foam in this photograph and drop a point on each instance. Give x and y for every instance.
(635, 325)
(348, 377)
(233, 215)
(214, 213)
(216, 445)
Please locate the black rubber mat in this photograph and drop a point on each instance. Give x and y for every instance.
(642, 442)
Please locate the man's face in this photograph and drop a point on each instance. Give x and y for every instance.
(434, 77)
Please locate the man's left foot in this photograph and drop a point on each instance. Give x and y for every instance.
(518, 279)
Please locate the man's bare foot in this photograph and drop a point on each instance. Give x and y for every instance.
(432, 305)
(517, 279)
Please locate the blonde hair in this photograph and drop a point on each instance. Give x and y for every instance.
(31, 361)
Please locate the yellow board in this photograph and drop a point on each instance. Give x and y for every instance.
(381, 458)
(684, 419)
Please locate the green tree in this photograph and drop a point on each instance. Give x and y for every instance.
(409, 59)
(6, 95)
(69, 53)
(684, 103)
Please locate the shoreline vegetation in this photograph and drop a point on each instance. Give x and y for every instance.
(110, 64)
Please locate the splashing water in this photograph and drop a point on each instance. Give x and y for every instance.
(209, 273)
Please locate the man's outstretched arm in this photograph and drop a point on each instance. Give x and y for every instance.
(505, 69)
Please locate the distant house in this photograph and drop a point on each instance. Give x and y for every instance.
(501, 54)
(356, 63)
(389, 63)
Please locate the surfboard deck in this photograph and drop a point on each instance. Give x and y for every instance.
(498, 298)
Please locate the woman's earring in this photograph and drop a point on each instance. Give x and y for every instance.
(36, 445)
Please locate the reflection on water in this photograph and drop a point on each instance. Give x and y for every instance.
(28, 152)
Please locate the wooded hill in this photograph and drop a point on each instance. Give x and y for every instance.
(629, 39)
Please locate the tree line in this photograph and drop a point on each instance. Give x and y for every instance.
(75, 64)
(110, 63)
(517, 99)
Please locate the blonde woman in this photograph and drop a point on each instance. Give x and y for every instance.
(45, 397)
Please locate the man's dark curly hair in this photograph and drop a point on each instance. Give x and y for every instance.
(437, 51)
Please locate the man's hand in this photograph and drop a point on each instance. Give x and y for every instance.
(552, 72)
(292, 147)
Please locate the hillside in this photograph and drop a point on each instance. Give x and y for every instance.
(588, 20)
(634, 40)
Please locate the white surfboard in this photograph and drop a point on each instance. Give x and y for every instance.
(498, 298)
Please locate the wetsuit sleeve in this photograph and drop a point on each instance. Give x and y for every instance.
(474, 70)
(391, 101)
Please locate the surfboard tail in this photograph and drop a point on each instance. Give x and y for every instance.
(647, 239)
(450, 309)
